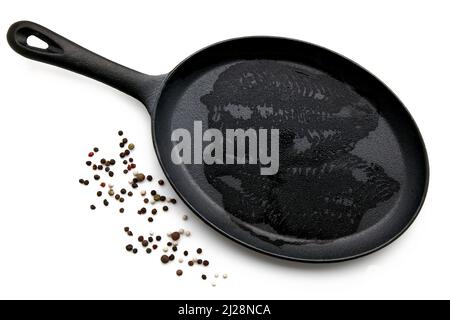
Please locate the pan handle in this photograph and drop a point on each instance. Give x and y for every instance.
(66, 54)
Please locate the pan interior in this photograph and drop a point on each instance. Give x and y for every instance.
(351, 168)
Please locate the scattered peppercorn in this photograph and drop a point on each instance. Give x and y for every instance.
(155, 247)
(153, 192)
(140, 238)
(185, 253)
(171, 257)
(96, 177)
(129, 247)
(150, 219)
(130, 233)
(121, 210)
(162, 198)
(199, 250)
(100, 167)
(135, 250)
(175, 236)
(105, 202)
(117, 196)
(111, 174)
(203, 276)
(144, 243)
(86, 182)
(191, 263)
(107, 169)
(88, 163)
(102, 184)
(175, 248)
(120, 133)
(92, 207)
(126, 229)
(165, 258)
(146, 200)
(149, 178)
(173, 201)
(158, 238)
(130, 194)
(199, 261)
(130, 159)
(165, 208)
(150, 239)
(161, 182)
(96, 149)
(111, 192)
(140, 177)
(179, 272)
(91, 154)
(154, 211)
(130, 146)
(148, 250)
(99, 193)
(206, 263)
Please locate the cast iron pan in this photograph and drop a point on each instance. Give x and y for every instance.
(353, 169)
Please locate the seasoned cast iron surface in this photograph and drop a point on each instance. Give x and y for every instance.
(322, 190)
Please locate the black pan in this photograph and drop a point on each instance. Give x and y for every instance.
(352, 172)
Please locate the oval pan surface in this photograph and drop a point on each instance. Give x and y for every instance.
(353, 169)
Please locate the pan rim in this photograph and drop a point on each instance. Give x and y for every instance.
(265, 252)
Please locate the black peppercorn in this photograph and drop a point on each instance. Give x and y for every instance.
(165, 259)
(149, 178)
(92, 207)
(161, 182)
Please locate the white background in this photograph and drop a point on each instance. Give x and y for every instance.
(53, 246)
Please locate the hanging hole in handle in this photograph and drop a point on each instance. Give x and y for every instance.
(36, 42)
